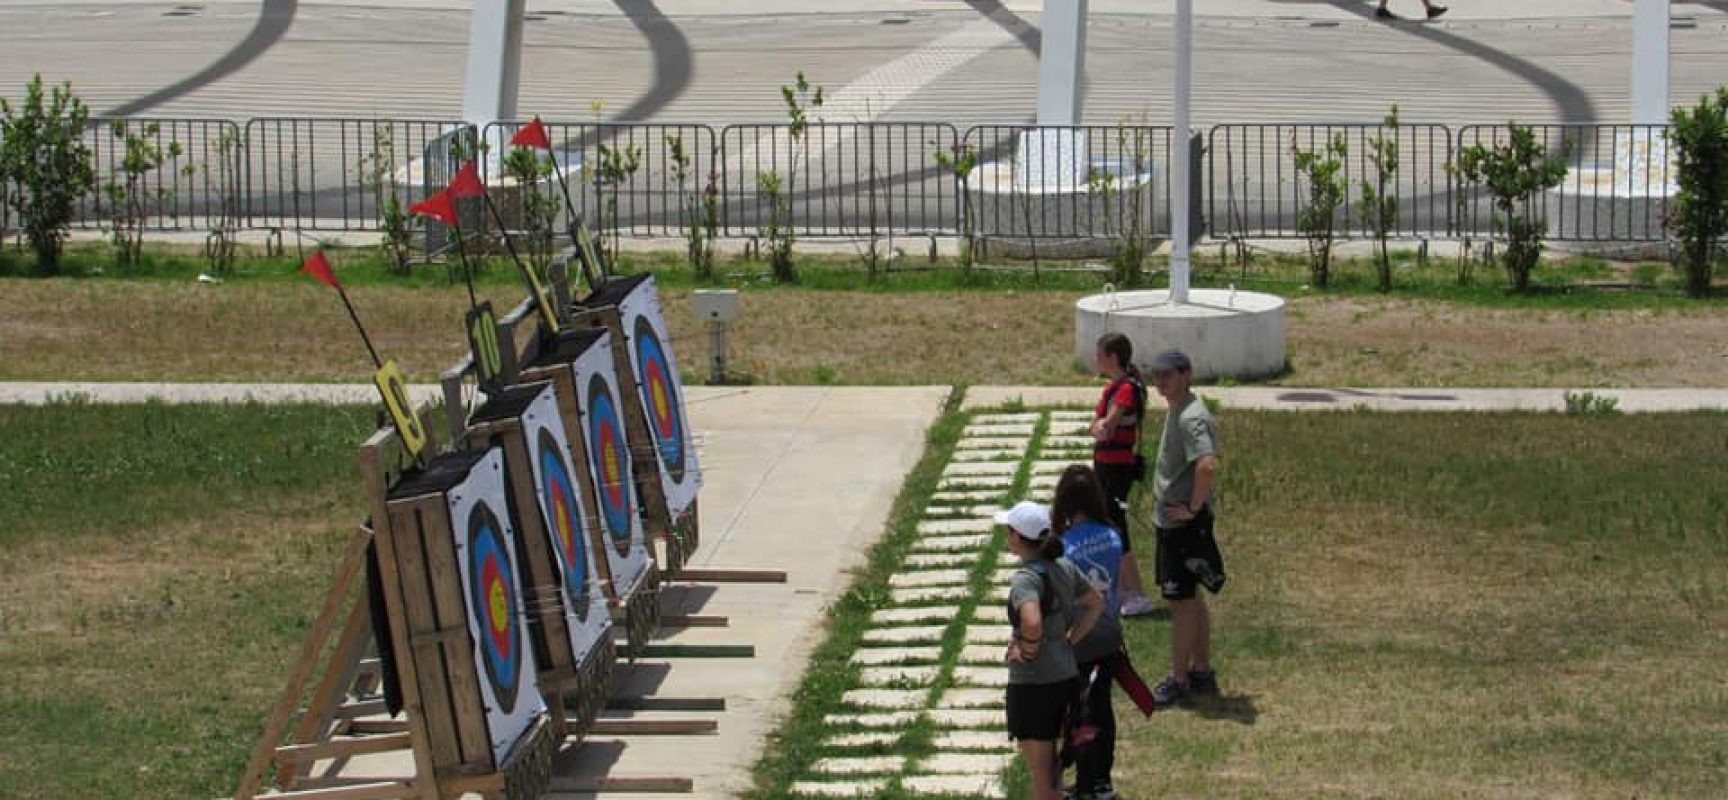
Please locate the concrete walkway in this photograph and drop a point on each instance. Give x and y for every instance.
(1280, 398)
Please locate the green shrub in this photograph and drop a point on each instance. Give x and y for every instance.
(1700, 215)
(44, 157)
(1516, 173)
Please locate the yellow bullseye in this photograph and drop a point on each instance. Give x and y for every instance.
(500, 606)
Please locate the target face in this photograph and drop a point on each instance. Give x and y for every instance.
(492, 597)
(660, 399)
(611, 457)
(563, 520)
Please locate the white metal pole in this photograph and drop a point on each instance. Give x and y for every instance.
(494, 61)
(1061, 61)
(1180, 200)
(1650, 62)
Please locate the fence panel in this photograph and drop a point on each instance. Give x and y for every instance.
(338, 174)
(166, 174)
(1256, 193)
(1070, 182)
(673, 164)
(1619, 182)
(842, 179)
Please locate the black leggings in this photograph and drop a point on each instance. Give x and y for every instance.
(1118, 481)
(1096, 760)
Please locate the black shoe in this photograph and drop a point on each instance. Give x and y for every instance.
(1435, 11)
(1383, 13)
(1209, 578)
(1203, 683)
(1103, 791)
(1169, 694)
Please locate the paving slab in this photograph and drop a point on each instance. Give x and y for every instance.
(983, 654)
(998, 593)
(871, 765)
(956, 469)
(1633, 401)
(973, 698)
(982, 511)
(941, 560)
(967, 719)
(890, 719)
(877, 656)
(975, 483)
(990, 764)
(875, 677)
(886, 699)
(863, 739)
(1007, 418)
(987, 443)
(857, 788)
(940, 526)
(1042, 483)
(952, 741)
(954, 785)
(912, 616)
(967, 497)
(991, 634)
(1055, 467)
(1011, 430)
(923, 596)
(985, 677)
(909, 635)
(950, 544)
(929, 577)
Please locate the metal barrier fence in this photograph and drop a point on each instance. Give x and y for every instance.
(1257, 192)
(853, 180)
(1070, 183)
(1619, 182)
(338, 174)
(839, 179)
(165, 174)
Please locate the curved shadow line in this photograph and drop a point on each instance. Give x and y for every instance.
(274, 19)
(1574, 104)
(673, 61)
(1031, 36)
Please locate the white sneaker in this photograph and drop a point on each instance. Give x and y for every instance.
(1137, 605)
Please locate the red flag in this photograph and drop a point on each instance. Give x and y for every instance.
(532, 136)
(319, 267)
(467, 182)
(436, 207)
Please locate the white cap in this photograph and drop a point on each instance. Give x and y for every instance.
(1030, 520)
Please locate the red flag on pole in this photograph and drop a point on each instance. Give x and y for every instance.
(319, 267)
(532, 136)
(437, 207)
(467, 182)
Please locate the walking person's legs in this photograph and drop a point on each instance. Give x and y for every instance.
(1092, 774)
(1041, 762)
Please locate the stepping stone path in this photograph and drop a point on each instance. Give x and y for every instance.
(936, 625)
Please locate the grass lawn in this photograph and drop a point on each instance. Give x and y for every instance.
(839, 327)
(162, 565)
(1421, 606)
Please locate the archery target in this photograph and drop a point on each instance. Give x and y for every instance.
(486, 558)
(657, 380)
(566, 523)
(619, 512)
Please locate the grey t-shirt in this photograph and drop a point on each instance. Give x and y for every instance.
(1189, 434)
(1055, 661)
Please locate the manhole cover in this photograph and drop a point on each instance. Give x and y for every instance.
(1306, 397)
(896, 21)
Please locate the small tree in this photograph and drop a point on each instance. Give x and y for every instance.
(617, 167)
(539, 209)
(1379, 205)
(700, 221)
(961, 161)
(1318, 218)
(44, 157)
(1700, 215)
(222, 245)
(800, 98)
(378, 174)
(1515, 174)
(129, 194)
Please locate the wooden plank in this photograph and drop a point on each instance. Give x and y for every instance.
(654, 727)
(634, 784)
(732, 576)
(418, 616)
(451, 604)
(331, 781)
(373, 474)
(381, 790)
(364, 708)
(652, 704)
(535, 545)
(694, 621)
(374, 726)
(353, 558)
(697, 651)
(322, 709)
(338, 748)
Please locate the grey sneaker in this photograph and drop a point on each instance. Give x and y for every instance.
(1136, 605)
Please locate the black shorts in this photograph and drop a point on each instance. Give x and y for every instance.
(1177, 547)
(1118, 481)
(1037, 711)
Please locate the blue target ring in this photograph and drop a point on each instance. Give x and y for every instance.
(658, 383)
(564, 521)
(611, 457)
(492, 599)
